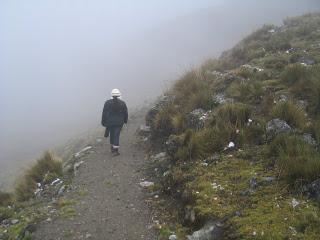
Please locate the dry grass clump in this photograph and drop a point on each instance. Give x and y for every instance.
(294, 73)
(193, 91)
(297, 161)
(5, 198)
(235, 115)
(44, 170)
(291, 113)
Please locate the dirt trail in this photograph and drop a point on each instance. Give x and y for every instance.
(112, 204)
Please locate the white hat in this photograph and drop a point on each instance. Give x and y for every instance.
(115, 93)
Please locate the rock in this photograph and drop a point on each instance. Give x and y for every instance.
(277, 126)
(294, 202)
(252, 68)
(309, 139)
(146, 184)
(173, 237)
(313, 190)
(68, 168)
(220, 99)
(56, 182)
(173, 143)
(82, 152)
(62, 190)
(14, 221)
(282, 98)
(214, 158)
(246, 192)
(196, 119)
(77, 165)
(306, 61)
(159, 157)
(189, 215)
(144, 130)
(268, 180)
(231, 145)
(88, 235)
(211, 231)
(253, 183)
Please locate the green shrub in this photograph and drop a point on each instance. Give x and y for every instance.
(297, 161)
(291, 113)
(44, 170)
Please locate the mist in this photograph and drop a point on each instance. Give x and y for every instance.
(60, 59)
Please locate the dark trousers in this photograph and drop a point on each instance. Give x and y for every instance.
(114, 135)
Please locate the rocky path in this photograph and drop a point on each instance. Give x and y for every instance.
(109, 203)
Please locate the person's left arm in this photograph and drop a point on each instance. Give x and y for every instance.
(125, 114)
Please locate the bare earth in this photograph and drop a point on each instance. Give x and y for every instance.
(112, 204)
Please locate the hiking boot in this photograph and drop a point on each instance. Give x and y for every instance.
(112, 149)
(115, 152)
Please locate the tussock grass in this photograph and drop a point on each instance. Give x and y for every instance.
(5, 198)
(235, 115)
(291, 113)
(307, 86)
(297, 161)
(44, 170)
(248, 91)
(5, 213)
(193, 91)
(165, 121)
(213, 138)
(294, 73)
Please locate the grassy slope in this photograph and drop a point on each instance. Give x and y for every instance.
(257, 74)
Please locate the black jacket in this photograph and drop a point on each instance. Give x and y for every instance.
(115, 113)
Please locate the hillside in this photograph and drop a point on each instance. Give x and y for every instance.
(235, 142)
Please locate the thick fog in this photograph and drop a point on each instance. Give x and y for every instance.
(60, 59)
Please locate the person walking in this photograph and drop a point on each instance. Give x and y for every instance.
(114, 116)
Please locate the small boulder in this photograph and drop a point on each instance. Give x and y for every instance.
(307, 137)
(189, 215)
(220, 98)
(173, 237)
(313, 190)
(306, 61)
(211, 231)
(277, 126)
(196, 119)
(61, 190)
(146, 184)
(159, 157)
(173, 143)
(14, 221)
(82, 152)
(253, 183)
(144, 130)
(268, 180)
